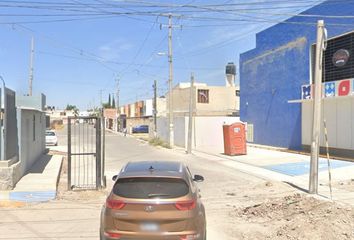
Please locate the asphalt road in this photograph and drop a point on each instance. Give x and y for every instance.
(77, 214)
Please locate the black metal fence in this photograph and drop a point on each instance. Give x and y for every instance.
(84, 153)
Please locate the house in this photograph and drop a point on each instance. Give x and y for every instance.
(141, 113)
(22, 136)
(279, 70)
(207, 100)
(212, 106)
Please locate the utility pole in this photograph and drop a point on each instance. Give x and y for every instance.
(190, 119)
(170, 80)
(101, 90)
(317, 101)
(155, 106)
(117, 96)
(31, 69)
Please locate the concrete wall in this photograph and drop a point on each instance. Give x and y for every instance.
(339, 114)
(32, 137)
(161, 107)
(148, 107)
(26, 138)
(11, 140)
(207, 133)
(273, 72)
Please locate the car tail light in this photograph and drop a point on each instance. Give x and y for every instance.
(185, 205)
(190, 237)
(112, 235)
(115, 204)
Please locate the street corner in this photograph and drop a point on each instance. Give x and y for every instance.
(5, 201)
(11, 204)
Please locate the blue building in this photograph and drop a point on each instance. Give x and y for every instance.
(273, 73)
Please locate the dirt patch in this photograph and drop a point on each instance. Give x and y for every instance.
(78, 195)
(296, 216)
(347, 185)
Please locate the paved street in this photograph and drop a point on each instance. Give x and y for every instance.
(76, 215)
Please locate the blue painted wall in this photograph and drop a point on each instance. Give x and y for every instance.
(273, 72)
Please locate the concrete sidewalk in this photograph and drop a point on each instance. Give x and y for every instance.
(290, 168)
(39, 184)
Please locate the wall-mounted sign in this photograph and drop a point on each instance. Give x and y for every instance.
(330, 89)
(343, 88)
(340, 58)
(306, 91)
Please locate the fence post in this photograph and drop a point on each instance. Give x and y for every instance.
(98, 152)
(69, 153)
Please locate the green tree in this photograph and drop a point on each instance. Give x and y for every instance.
(70, 107)
(113, 102)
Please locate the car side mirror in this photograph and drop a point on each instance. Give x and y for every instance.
(198, 178)
(114, 178)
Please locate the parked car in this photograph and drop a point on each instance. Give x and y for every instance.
(154, 200)
(51, 138)
(141, 129)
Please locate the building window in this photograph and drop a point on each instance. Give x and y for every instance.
(34, 128)
(237, 93)
(203, 96)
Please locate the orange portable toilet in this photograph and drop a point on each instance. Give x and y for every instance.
(235, 139)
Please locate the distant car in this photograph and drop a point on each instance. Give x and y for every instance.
(141, 129)
(154, 200)
(51, 138)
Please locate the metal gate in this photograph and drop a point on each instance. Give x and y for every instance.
(84, 153)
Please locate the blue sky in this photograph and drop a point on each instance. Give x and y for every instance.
(74, 60)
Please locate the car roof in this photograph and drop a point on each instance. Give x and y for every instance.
(153, 169)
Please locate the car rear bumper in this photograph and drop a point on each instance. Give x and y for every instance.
(51, 143)
(156, 236)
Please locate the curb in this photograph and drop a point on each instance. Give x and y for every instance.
(17, 198)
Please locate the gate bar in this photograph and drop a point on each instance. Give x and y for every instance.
(69, 154)
(98, 153)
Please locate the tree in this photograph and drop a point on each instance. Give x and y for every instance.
(70, 107)
(113, 102)
(109, 101)
(106, 105)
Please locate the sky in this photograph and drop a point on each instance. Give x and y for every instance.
(83, 46)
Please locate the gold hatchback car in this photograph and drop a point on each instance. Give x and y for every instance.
(154, 200)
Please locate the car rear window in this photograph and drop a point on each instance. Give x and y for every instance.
(50, 134)
(150, 188)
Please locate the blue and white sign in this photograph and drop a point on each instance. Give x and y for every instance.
(306, 91)
(330, 89)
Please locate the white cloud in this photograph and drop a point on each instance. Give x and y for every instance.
(113, 50)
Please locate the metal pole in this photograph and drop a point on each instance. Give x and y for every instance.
(328, 162)
(170, 82)
(69, 153)
(98, 152)
(117, 105)
(3, 117)
(317, 101)
(103, 160)
(155, 106)
(190, 119)
(31, 68)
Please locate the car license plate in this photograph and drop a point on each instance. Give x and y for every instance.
(149, 227)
